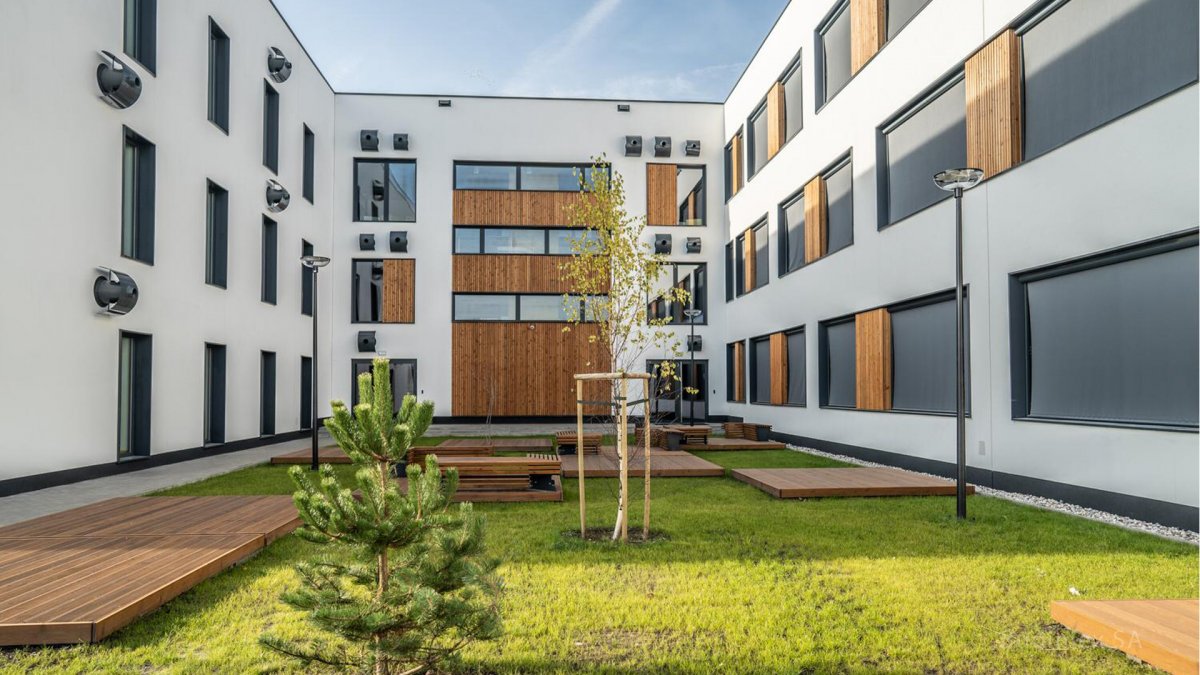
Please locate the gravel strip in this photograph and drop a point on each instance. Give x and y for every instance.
(1164, 531)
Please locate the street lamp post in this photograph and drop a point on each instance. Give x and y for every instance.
(691, 314)
(957, 181)
(314, 263)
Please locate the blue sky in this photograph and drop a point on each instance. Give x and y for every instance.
(636, 49)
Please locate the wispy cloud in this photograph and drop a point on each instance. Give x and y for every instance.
(554, 56)
(696, 84)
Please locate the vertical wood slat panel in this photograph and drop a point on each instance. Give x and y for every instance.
(662, 201)
(735, 149)
(739, 372)
(513, 207)
(873, 359)
(779, 369)
(751, 261)
(868, 28)
(509, 274)
(816, 227)
(776, 119)
(993, 84)
(399, 290)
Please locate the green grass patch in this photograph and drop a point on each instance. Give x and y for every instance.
(740, 582)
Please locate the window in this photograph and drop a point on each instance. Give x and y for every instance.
(756, 156)
(310, 160)
(533, 177)
(924, 356)
(270, 260)
(550, 307)
(793, 101)
(1110, 339)
(140, 30)
(403, 374)
(270, 128)
(750, 259)
(833, 52)
(681, 398)
(137, 198)
(542, 308)
(367, 303)
(839, 206)
(133, 395)
(739, 267)
(266, 406)
(838, 375)
(791, 233)
(503, 240)
(797, 373)
(306, 392)
(218, 76)
(729, 271)
(216, 260)
(760, 370)
(1089, 62)
(932, 136)
(900, 12)
(214, 394)
(734, 178)
(762, 255)
(306, 281)
(385, 190)
(690, 194)
(568, 242)
(735, 372)
(485, 307)
(691, 277)
(524, 241)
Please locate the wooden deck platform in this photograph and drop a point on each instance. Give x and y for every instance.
(844, 482)
(80, 575)
(330, 454)
(1162, 633)
(505, 496)
(502, 444)
(722, 443)
(663, 464)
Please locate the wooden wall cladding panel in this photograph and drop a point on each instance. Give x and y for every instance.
(662, 200)
(776, 119)
(523, 369)
(873, 359)
(748, 251)
(779, 369)
(735, 149)
(509, 274)
(399, 290)
(739, 372)
(868, 28)
(512, 207)
(993, 83)
(816, 220)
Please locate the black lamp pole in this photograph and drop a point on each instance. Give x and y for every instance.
(691, 315)
(314, 263)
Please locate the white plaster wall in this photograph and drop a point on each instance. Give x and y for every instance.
(60, 190)
(497, 129)
(1133, 179)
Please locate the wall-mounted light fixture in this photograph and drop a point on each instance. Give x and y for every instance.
(278, 66)
(115, 292)
(120, 85)
(278, 197)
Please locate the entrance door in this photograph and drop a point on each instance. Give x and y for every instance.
(680, 400)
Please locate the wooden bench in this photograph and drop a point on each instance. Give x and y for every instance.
(693, 435)
(751, 431)
(566, 441)
(734, 430)
(483, 474)
(418, 455)
(658, 436)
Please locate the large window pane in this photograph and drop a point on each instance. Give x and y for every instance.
(694, 280)
(899, 12)
(402, 192)
(368, 187)
(485, 177)
(514, 241)
(402, 375)
(368, 291)
(467, 240)
(485, 307)
(840, 383)
(555, 178)
(793, 100)
(835, 53)
(216, 262)
(762, 256)
(924, 358)
(840, 208)
(385, 191)
(792, 226)
(543, 308)
(562, 241)
(739, 268)
(757, 156)
(690, 190)
(1092, 61)
(1117, 343)
(137, 198)
(218, 76)
(270, 128)
(761, 356)
(933, 139)
(796, 371)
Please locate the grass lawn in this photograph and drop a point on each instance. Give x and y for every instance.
(742, 583)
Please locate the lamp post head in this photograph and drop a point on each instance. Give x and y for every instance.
(692, 314)
(958, 179)
(314, 261)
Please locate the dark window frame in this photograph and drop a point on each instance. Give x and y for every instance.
(582, 167)
(271, 106)
(141, 219)
(216, 262)
(270, 262)
(516, 308)
(922, 301)
(730, 379)
(306, 392)
(788, 332)
(794, 67)
(820, 86)
(674, 265)
(547, 231)
(728, 158)
(354, 317)
(215, 392)
(823, 361)
(141, 399)
(358, 161)
(391, 362)
(702, 208)
(218, 76)
(142, 46)
(681, 404)
(307, 280)
(752, 369)
(1019, 331)
(308, 188)
(268, 391)
(751, 139)
(843, 161)
(782, 258)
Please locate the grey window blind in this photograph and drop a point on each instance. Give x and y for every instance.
(793, 228)
(899, 12)
(932, 139)
(762, 370)
(840, 366)
(835, 52)
(923, 358)
(840, 216)
(796, 371)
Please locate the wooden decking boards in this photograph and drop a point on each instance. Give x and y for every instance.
(1163, 633)
(501, 444)
(722, 443)
(844, 482)
(663, 464)
(80, 575)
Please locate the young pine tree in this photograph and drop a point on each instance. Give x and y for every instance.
(419, 587)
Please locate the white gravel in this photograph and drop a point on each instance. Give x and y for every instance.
(1174, 533)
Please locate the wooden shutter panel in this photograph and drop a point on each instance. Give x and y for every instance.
(399, 290)
(750, 260)
(816, 228)
(739, 371)
(776, 119)
(779, 369)
(662, 202)
(993, 83)
(868, 28)
(735, 149)
(873, 359)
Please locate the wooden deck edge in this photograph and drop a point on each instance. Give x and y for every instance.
(754, 482)
(66, 633)
(1129, 643)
